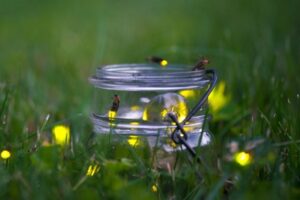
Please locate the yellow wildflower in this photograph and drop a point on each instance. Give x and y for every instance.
(5, 154)
(217, 99)
(61, 135)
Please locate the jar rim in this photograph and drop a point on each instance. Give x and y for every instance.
(148, 77)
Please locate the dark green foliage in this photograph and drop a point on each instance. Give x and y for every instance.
(48, 49)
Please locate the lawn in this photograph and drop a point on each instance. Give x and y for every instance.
(49, 49)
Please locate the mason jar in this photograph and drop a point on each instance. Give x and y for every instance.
(134, 100)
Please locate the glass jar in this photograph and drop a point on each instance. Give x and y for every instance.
(135, 99)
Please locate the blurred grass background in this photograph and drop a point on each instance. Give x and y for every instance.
(48, 49)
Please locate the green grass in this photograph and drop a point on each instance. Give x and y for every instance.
(48, 49)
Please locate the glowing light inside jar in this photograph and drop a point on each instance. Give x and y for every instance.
(188, 93)
(158, 108)
(133, 140)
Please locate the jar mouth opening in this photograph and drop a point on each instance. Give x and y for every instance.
(148, 77)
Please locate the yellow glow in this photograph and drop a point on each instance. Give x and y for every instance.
(161, 105)
(217, 99)
(187, 93)
(145, 115)
(242, 158)
(92, 170)
(133, 140)
(5, 154)
(171, 143)
(135, 108)
(188, 128)
(164, 113)
(181, 111)
(154, 188)
(112, 124)
(61, 135)
(112, 114)
(164, 63)
(134, 123)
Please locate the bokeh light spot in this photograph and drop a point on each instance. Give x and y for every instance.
(242, 158)
(5, 154)
(61, 135)
(133, 140)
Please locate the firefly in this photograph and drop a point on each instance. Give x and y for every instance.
(114, 108)
(158, 60)
(201, 64)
